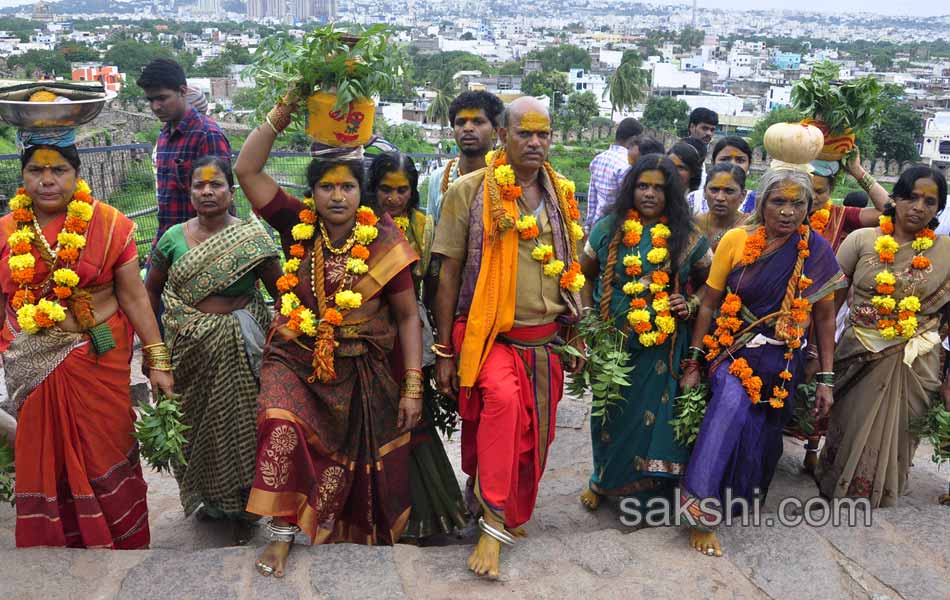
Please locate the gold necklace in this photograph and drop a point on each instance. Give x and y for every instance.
(329, 245)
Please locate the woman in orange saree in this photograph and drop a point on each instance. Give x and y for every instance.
(72, 297)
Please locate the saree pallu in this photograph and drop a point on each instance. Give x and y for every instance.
(215, 356)
(509, 419)
(635, 450)
(881, 386)
(79, 482)
(740, 443)
(330, 458)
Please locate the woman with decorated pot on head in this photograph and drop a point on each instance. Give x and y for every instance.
(723, 193)
(769, 281)
(73, 298)
(642, 257)
(333, 424)
(206, 271)
(437, 504)
(888, 364)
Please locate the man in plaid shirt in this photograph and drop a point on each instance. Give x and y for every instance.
(607, 171)
(186, 136)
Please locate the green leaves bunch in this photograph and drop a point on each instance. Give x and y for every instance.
(804, 417)
(357, 64)
(935, 428)
(607, 367)
(7, 473)
(160, 433)
(839, 104)
(690, 411)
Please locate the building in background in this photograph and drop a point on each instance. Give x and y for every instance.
(110, 76)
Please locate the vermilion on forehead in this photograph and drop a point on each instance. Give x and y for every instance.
(337, 175)
(652, 177)
(48, 157)
(470, 113)
(209, 173)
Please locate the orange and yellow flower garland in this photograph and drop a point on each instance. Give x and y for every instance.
(569, 277)
(820, 218)
(789, 327)
(32, 316)
(886, 247)
(639, 316)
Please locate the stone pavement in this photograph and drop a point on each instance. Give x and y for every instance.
(569, 553)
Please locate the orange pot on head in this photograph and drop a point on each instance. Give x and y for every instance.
(836, 146)
(352, 126)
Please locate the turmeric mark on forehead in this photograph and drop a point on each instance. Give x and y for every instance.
(722, 180)
(653, 177)
(536, 122)
(338, 175)
(48, 157)
(395, 179)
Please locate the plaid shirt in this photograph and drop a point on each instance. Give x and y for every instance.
(606, 174)
(195, 136)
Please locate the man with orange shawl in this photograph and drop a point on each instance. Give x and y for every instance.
(509, 287)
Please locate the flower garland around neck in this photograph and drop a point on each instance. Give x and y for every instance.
(905, 325)
(503, 177)
(402, 223)
(639, 315)
(33, 316)
(790, 324)
(303, 319)
(820, 218)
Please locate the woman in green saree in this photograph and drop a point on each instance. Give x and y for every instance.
(205, 271)
(643, 257)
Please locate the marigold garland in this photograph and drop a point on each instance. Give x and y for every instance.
(886, 247)
(33, 316)
(639, 316)
(820, 218)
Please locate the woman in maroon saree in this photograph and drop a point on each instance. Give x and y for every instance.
(740, 440)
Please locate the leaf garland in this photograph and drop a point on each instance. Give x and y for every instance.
(160, 433)
(7, 473)
(854, 104)
(690, 411)
(934, 426)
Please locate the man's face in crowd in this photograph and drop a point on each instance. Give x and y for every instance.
(702, 132)
(169, 105)
(474, 132)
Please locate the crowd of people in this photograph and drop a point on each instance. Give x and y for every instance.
(318, 413)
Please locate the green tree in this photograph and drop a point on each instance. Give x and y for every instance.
(47, 61)
(74, 52)
(245, 99)
(583, 107)
(445, 91)
(883, 59)
(690, 38)
(512, 67)
(552, 84)
(666, 114)
(777, 115)
(628, 85)
(407, 137)
(131, 55)
(428, 69)
(898, 129)
(131, 95)
(562, 58)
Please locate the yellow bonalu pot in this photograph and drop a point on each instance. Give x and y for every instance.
(353, 127)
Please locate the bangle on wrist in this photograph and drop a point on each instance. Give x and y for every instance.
(442, 351)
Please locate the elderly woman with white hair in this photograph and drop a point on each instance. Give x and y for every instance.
(769, 280)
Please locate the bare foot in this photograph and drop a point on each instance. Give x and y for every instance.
(273, 557)
(945, 499)
(705, 542)
(484, 559)
(590, 499)
(811, 461)
(517, 532)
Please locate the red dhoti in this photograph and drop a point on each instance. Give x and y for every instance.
(508, 420)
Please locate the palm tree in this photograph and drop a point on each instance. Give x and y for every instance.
(445, 90)
(628, 85)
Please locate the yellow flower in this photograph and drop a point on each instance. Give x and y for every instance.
(553, 268)
(347, 300)
(666, 324)
(656, 288)
(640, 315)
(566, 185)
(66, 277)
(885, 278)
(78, 209)
(504, 175)
(526, 222)
(632, 225)
(54, 310)
(25, 317)
(292, 265)
(660, 230)
(365, 234)
(82, 186)
(356, 266)
(288, 302)
(630, 288)
(908, 326)
(21, 261)
(661, 304)
(302, 231)
(577, 232)
(657, 255)
(632, 260)
(638, 287)
(577, 283)
(309, 203)
(885, 302)
(889, 333)
(886, 243)
(20, 201)
(308, 323)
(22, 234)
(542, 252)
(489, 158)
(649, 338)
(75, 240)
(922, 243)
(402, 223)
(911, 303)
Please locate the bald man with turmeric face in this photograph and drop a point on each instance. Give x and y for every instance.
(502, 302)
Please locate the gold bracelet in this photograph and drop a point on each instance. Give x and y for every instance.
(437, 350)
(271, 124)
(866, 182)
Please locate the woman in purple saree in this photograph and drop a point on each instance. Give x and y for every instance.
(767, 265)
